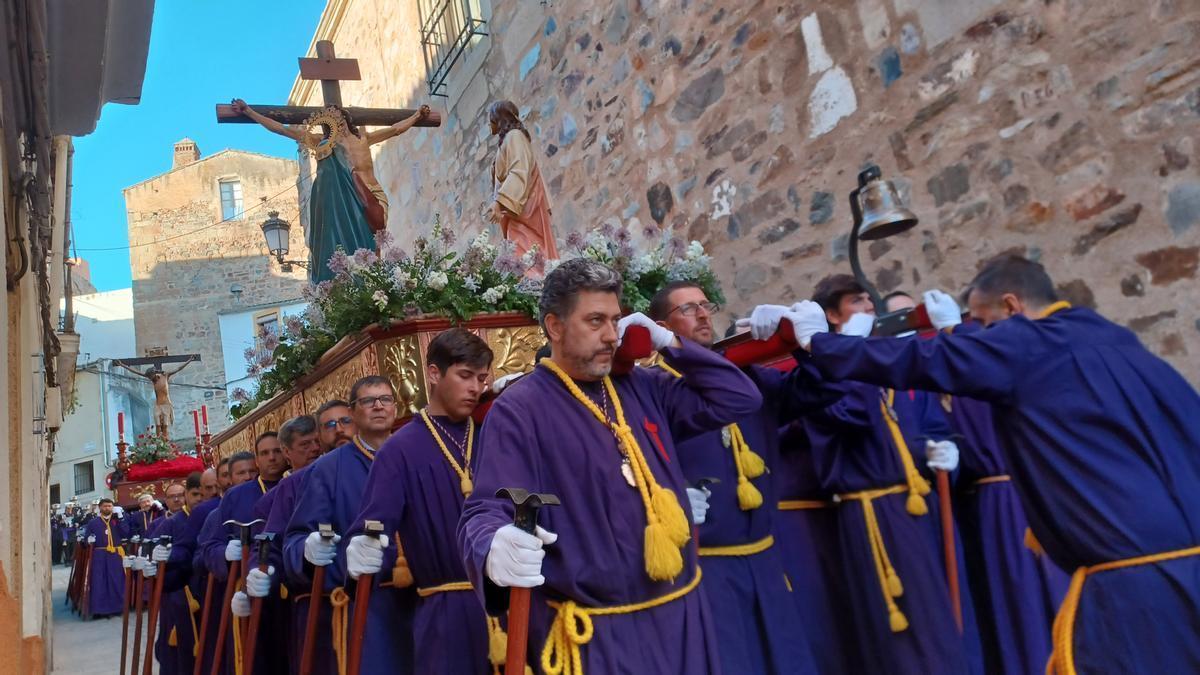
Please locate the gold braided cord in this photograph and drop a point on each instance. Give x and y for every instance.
(753, 548)
(339, 600)
(918, 487)
(802, 504)
(667, 528)
(445, 588)
(572, 628)
(889, 581)
(463, 470)
(193, 607)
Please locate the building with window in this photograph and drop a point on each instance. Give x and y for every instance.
(197, 250)
(244, 332)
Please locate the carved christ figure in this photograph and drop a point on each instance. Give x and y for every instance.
(520, 203)
(347, 204)
(164, 413)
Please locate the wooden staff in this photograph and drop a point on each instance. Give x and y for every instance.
(251, 643)
(235, 570)
(155, 603)
(362, 596)
(138, 582)
(72, 599)
(85, 585)
(314, 607)
(198, 669)
(526, 505)
(125, 598)
(948, 549)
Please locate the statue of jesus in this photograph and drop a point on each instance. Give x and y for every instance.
(347, 204)
(164, 413)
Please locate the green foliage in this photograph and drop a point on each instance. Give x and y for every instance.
(149, 448)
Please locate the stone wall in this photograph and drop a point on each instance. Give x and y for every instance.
(1062, 129)
(184, 266)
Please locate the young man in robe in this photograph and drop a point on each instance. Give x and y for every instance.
(224, 480)
(760, 629)
(889, 541)
(106, 578)
(284, 617)
(335, 424)
(1101, 439)
(333, 492)
(416, 488)
(624, 562)
(179, 615)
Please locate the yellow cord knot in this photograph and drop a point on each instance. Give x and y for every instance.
(497, 642)
(339, 600)
(915, 504)
(748, 496)
(918, 487)
(890, 585)
(752, 464)
(571, 629)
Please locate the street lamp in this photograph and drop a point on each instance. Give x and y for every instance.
(276, 230)
(878, 214)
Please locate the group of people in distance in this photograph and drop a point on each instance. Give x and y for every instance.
(722, 518)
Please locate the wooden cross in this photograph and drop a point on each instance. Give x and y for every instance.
(330, 70)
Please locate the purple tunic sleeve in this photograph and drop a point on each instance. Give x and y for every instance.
(210, 546)
(384, 497)
(712, 393)
(314, 505)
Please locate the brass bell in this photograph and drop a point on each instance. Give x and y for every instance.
(882, 213)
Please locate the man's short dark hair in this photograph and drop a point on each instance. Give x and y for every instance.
(264, 435)
(896, 294)
(327, 405)
(295, 427)
(223, 462)
(561, 289)
(240, 456)
(192, 482)
(105, 500)
(369, 381)
(660, 304)
(830, 290)
(1015, 274)
(458, 345)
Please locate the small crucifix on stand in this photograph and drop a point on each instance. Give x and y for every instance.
(160, 377)
(345, 168)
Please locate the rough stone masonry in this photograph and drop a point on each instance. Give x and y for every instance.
(1061, 129)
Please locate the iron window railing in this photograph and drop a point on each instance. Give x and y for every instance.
(448, 28)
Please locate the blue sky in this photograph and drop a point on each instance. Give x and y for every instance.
(202, 52)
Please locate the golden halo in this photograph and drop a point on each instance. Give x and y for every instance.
(330, 117)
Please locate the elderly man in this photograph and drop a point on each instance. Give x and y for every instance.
(606, 445)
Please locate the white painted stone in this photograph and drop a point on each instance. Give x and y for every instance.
(1021, 125)
(722, 199)
(876, 27)
(832, 99)
(944, 19)
(818, 59)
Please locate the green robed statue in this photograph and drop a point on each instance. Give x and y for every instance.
(347, 204)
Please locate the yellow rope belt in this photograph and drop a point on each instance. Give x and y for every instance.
(339, 599)
(572, 628)
(753, 548)
(193, 607)
(988, 480)
(452, 586)
(803, 504)
(497, 637)
(1062, 658)
(889, 581)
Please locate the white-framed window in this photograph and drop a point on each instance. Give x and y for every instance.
(266, 323)
(231, 198)
(85, 477)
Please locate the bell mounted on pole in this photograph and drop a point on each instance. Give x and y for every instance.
(882, 213)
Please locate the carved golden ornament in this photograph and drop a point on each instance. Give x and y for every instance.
(401, 363)
(331, 118)
(334, 385)
(513, 349)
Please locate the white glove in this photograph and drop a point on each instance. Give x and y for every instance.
(859, 325)
(699, 501)
(318, 551)
(149, 569)
(137, 565)
(127, 562)
(240, 605)
(158, 505)
(941, 455)
(233, 550)
(763, 321)
(160, 554)
(660, 337)
(501, 382)
(91, 539)
(942, 309)
(515, 558)
(118, 512)
(808, 319)
(364, 555)
(258, 582)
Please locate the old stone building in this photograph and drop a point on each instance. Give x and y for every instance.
(1063, 129)
(196, 249)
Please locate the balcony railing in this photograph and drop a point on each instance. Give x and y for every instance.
(448, 28)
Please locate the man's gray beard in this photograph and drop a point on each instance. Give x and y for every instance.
(588, 366)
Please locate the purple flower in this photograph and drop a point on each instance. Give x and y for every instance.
(575, 241)
(339, 263)
(250, 353)
(650, 231)
(623, 235)
(676, 247)
(625, 250)
(323, 289)
(447, 237)
(420, 244)
(240, 395)
(395, 255)
(537, 259)
(411, 310)
(508, 264)
(253, 369)
(383, 239)
(270, 341)
(607, 230)
(293, 325)
(365, 257)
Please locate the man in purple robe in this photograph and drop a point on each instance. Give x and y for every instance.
(760, 629)
(149, 511)
(416, 488)
(335, 424)
(179, 615)
(284, 616)
(333, 491)
(106, 579)
(624, 564)
(1101, 439)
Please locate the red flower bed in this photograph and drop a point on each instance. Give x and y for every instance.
(179, 467)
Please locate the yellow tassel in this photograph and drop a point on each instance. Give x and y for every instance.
(172, 639)
(497, 643)
(466, 485)
(528, 670)
(283, 592)
(663, 559)
(895, 588)
(748, 496)
(1033, 544)
(916, 504)
(898, 621)
(401, 576)
(753, 465)
(670, 514)
(193, 604)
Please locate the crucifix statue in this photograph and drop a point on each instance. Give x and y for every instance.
(347, 204)
(164, 415)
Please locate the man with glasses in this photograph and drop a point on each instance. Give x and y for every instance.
(335, 424)
(760, 629)
(333, 491)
